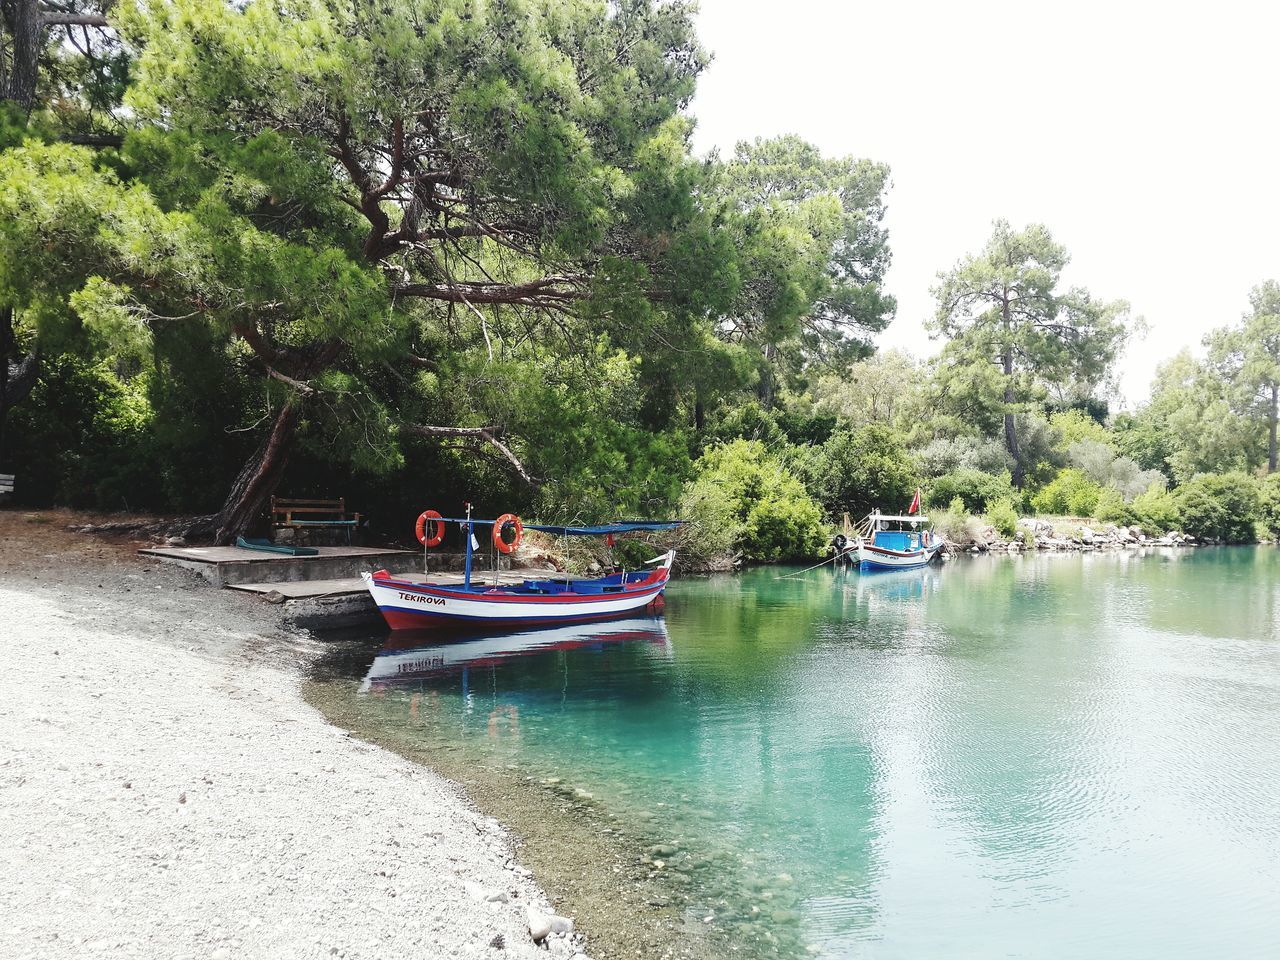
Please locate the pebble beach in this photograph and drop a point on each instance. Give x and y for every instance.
(165, 791)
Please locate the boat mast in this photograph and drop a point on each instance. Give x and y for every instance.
(466, 581)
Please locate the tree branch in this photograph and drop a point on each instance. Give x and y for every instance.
(488, 434)
(51, 19)
(543, 292)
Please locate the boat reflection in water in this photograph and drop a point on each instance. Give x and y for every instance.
(406, 658)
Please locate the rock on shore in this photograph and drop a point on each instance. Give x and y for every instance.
(1037, 534)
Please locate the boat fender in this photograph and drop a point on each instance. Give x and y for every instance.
(840, 541)
(501, 524)
(437, 528)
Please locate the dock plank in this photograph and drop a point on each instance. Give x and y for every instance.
(310, 589)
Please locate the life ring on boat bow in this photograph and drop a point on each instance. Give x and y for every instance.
(501, 524)
(430, 517)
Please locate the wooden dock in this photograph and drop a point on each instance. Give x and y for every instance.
(228, 566)
(344, 602)
(324, 590)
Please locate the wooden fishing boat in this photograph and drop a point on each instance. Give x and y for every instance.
(412, 605)
(896, 542)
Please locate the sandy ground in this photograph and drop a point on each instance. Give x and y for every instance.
(164, 791)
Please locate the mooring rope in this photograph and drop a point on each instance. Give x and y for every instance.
(830, 559)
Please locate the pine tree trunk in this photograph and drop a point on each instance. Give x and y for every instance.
(22, 24)
(1275, 413)
(6, 346)
(259, 477)
(765, 389)
(1010, 426)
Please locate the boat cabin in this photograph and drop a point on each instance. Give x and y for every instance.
(902, 534)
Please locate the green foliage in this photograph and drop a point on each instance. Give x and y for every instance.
(1003, 516)
(1005, 305)
(1075, 425)
(1247, 361)
(880, 389)
(955, 524)
(810, 242)
(1270, 504)
(1221, 507)
(82, 439)
(549, 260)
(743, 499)
(1188, 426)
(1070, 493)
(975, 490)
(1111, 508)
(1156, 510)
(1101, 464)
(951, 454)
(861, 470)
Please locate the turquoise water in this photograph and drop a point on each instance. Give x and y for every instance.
(1053, 756)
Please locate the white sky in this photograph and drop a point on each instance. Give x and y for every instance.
(1144, 135)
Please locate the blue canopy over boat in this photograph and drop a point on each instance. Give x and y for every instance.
(598, 530)
(604, 529)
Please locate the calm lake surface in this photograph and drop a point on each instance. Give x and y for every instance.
(1068, 756)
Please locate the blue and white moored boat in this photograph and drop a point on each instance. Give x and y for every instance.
(897, 542)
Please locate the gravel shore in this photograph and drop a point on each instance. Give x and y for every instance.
(165, 792)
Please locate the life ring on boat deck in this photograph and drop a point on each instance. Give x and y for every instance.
(501, 524)
(430, 517)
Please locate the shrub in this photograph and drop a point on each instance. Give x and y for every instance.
(1156, 511)
(955, 524)
(950, 454)
(1070, 493)
(1076, 425)
(860, 470)
(974, 489)
(743, 499)
(1221, 506)
(1111, 508)
(1271, 504)
(1101, 464)
(1003, 517)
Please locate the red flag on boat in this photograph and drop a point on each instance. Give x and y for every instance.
(915, 503)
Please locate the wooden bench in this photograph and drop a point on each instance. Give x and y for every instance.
(6, 485)
(314, 513)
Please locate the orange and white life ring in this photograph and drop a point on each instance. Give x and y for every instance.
(437, 532)
(499, 525)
